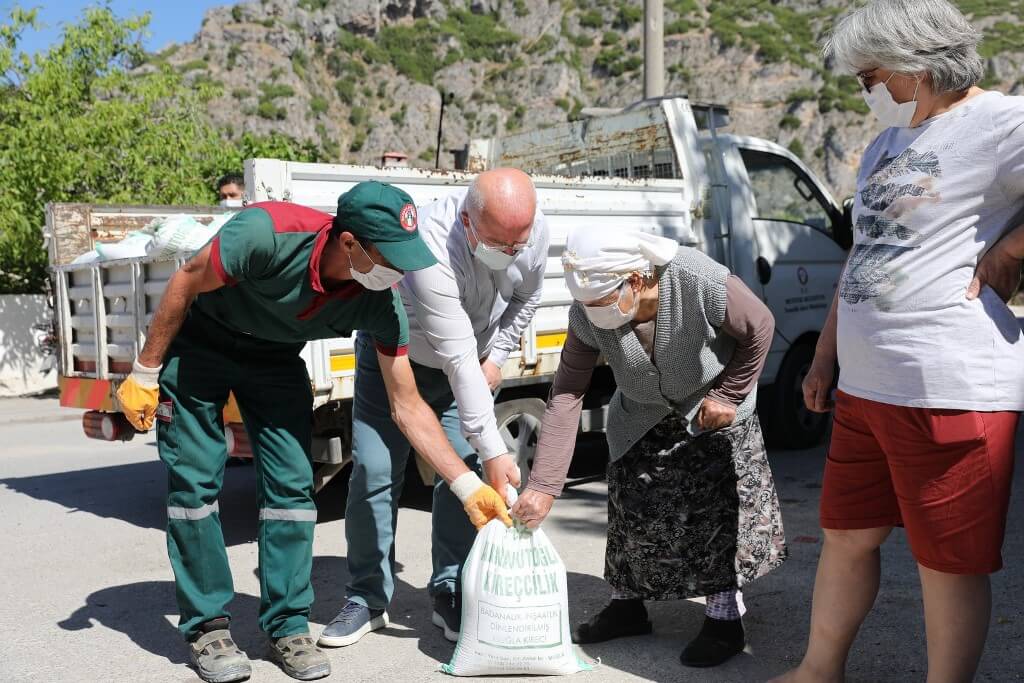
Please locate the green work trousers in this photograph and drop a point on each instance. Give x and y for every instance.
(271, 385)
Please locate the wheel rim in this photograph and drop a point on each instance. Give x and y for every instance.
(520, 433)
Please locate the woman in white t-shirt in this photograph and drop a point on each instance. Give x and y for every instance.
(931, 359)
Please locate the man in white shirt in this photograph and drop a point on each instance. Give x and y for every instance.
(465, 316)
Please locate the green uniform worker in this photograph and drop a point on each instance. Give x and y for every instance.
(234, 319)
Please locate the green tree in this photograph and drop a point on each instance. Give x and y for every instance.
(81, 122)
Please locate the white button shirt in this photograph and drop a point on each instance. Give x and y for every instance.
(461, 311)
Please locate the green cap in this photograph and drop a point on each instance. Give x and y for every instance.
(386, 216)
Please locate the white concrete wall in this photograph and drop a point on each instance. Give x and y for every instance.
(23, 367)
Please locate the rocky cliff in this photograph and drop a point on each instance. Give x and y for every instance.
(361, 77)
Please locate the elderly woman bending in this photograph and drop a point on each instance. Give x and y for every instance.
(692, 509)
(931, 375)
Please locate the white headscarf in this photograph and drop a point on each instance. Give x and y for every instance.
(597, 262)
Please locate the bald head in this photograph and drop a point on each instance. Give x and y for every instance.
(501, 204)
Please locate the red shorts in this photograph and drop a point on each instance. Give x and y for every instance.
(943, 474)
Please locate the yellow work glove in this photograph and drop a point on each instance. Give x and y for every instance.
(481, 502)
(139, 395)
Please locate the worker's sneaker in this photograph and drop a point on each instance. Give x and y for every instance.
(448, 614)
(352, 623)
(215, 655)
(300, 658)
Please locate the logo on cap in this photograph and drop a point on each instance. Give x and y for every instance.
(407, 217)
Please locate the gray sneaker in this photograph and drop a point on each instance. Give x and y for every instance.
(218, 659)
(352, 623)
(300, 658)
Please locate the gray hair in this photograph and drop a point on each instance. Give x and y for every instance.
(909, 37)
(475, 199)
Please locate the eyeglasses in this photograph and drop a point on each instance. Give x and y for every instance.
(514, 248)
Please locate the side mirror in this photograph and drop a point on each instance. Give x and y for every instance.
(844, 228)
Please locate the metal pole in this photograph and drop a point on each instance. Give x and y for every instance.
(654, 48)
(440, 124)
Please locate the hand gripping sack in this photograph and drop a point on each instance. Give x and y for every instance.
(515, 607)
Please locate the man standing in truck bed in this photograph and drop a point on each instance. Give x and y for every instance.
(234, 319)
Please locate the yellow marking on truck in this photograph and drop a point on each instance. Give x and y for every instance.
(343, 362)
(547, 341)
(347, 361)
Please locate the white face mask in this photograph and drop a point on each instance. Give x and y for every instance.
(611, 317)
(886, 109)
(495, 259)
(378, 278)
(232, 203)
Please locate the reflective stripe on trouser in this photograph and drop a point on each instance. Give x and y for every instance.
(380, 454)
(274, 396)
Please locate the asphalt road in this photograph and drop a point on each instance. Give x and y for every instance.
(87, 593)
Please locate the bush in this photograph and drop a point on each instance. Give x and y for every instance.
(482, 37)
(241, 93)
(410, 49)
(272, 91)
(516, 119)
(346, 90)
(608, 57)
(268, 110)
(591, 19)
(681, 26)
(233, 53)
(610, 38)
(563, 104)
(801, 95)
(318, 105)
(581, 40)
(236, 13)
(357, 115)
(797, 148)
(683, 7)
(398, 117)
(628, 15)
(358, 141)
(521, 9)
(429, 154)
(790, 122)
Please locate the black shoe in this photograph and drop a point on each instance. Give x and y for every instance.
(619, 619)
(718, 641)
(448, 614)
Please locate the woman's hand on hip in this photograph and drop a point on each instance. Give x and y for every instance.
(818, 384)
(715, 415)
(1000, 270)
(532, 507)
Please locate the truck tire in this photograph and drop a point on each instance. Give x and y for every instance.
(519, 425)
(791, 424)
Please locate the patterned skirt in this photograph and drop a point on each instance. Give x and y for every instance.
(692, 516)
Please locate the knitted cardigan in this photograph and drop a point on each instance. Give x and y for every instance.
(690, 352)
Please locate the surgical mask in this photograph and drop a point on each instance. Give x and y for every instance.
(886, 109)
(495, 259)
(232, 203)
(378, 278)
(611, 317)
